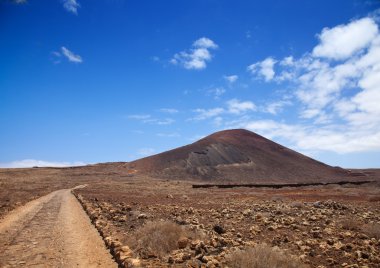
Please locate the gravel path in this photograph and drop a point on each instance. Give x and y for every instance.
(52, 231)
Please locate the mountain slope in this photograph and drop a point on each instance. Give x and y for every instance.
(238, 155)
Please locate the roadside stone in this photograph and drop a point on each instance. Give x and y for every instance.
(183, 242)
(142, 216)
(219, 229)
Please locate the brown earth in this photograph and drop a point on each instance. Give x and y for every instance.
(119, 203)
(324, 226)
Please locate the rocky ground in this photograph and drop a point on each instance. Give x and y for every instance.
(160, 223)
(330, 226)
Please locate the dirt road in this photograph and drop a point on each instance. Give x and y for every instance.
(52, 231)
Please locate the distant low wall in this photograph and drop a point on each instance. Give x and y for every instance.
(277, 186)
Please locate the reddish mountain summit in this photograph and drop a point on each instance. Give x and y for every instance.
(239, 156)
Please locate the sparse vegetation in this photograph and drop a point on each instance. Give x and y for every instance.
(374, 199)
(263, 256)
(317, 225)
(158, 238)
(350, 223)
(372, 230)
(296, 204)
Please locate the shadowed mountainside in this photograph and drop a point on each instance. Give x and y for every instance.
(239, 156)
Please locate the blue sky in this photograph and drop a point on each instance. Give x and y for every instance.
(115, 80)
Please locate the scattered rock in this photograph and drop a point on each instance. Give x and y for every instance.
(219, 229)
(183, 242)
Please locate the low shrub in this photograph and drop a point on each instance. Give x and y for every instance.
(372, 230)
(262, 256)
(350, 224)
(158, 238)
(296, 204)
(374, 199)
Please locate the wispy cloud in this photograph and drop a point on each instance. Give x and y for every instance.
(168, 135)
(146, 151)
(165, 121)
(140, 116)
(276, 106)
(216, 92)
(56, 57)
(19, 1)
(197, 57)
(169, 110)
(71, 56)
(263, 68)
(231, 78)
(236, 106)
(336, 85)
(148, 119)
(71, 6)
(232, 107)
(339, 139)
(28, 163)
(203, 114)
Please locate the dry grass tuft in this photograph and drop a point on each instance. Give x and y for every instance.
(372, 230)
(296, 204)
(159, 238)
(350, 224)
(374, 199)
(263, 256)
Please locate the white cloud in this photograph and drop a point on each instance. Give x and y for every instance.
(205, 42)
(231, 78)
(207, 113)
(216, 92)
(146, 151)
(28, 163)
(236, 106)
(263, 68)
(310, 113)
(168, 135)
(139, 116)
(218, 121)
(71, 56)
(323, 85)
(197, 57)
(337, 93)
(19, 1)
(337, 87)
(148, 119)
(276, 106)
(232, 107)
(71, 6)
(169, 110)
(287, 61)
(309, 138)
(165, 121)
(343, 41)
